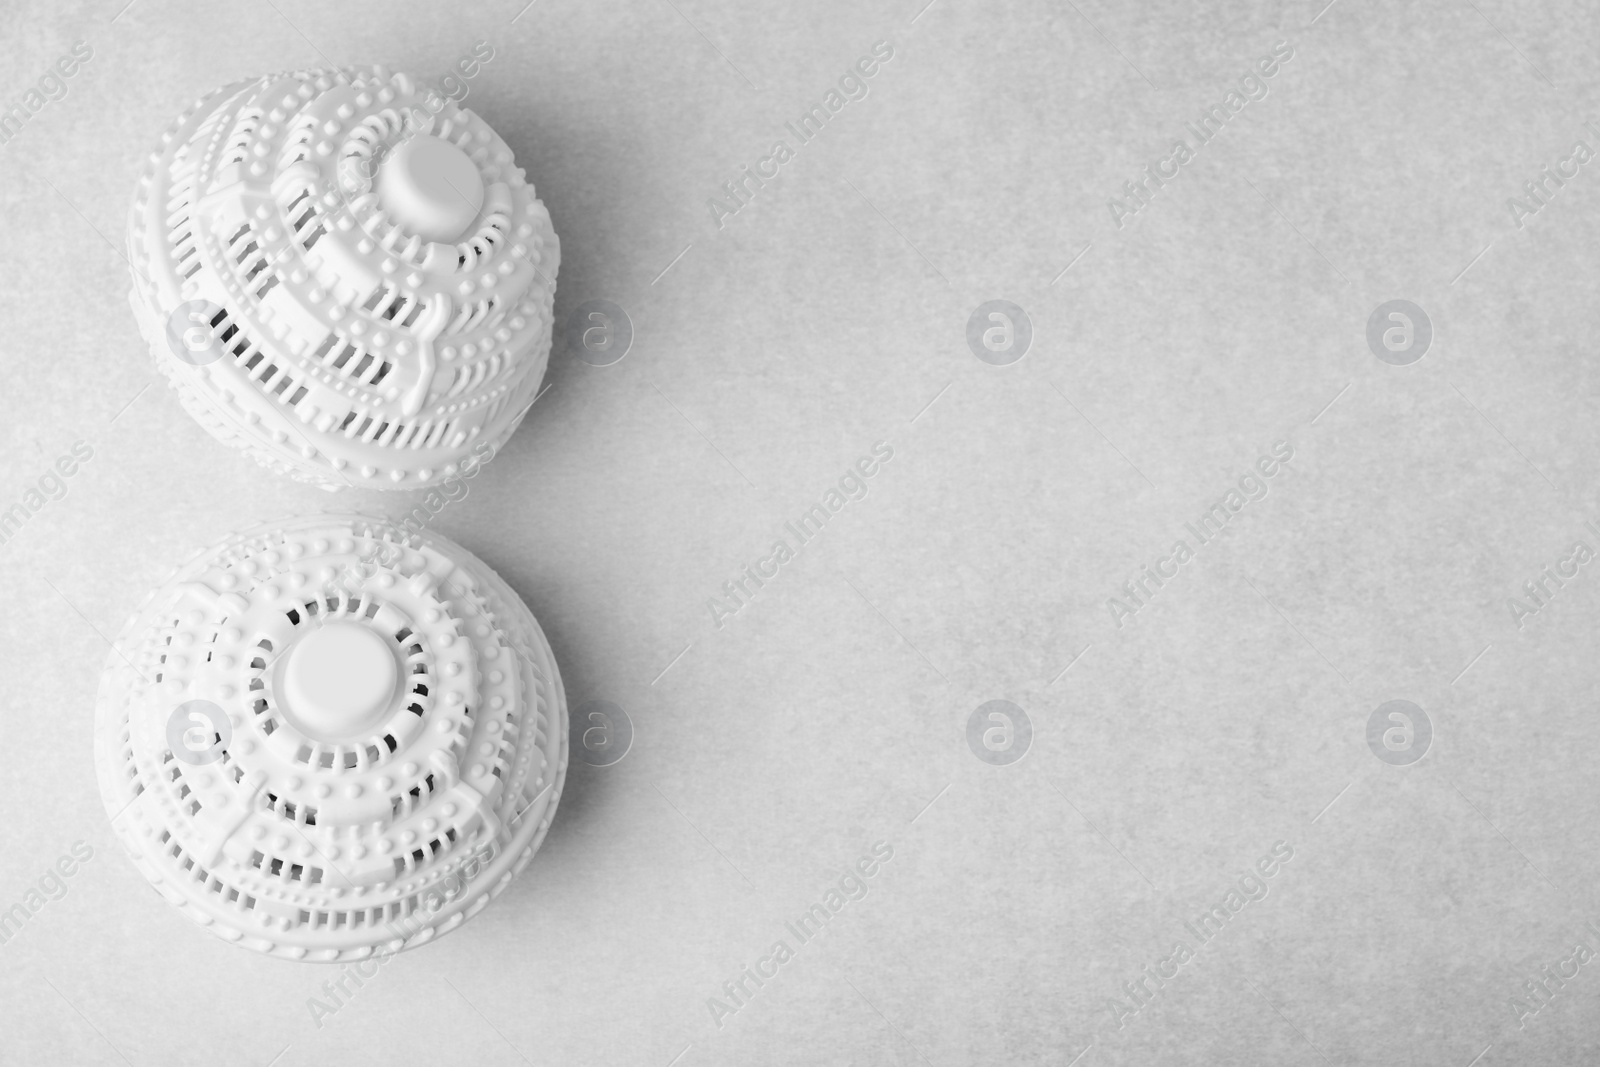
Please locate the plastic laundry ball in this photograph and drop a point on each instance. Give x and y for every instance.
(329, 738)
(345, 275)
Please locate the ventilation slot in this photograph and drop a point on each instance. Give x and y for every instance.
(243, 132)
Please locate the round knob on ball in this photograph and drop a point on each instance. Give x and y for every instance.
(432, 188)
(339, 680)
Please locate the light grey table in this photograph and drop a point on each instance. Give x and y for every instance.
(1179, 729)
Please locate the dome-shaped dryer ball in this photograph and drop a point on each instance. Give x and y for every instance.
(327, 738)
(345, 275)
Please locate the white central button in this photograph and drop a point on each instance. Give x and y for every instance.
(339, 680)
(431, 187)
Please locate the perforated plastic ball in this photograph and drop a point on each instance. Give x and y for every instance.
(344, 274)
(327, 738)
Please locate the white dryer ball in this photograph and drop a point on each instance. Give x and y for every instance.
(345, 275)
(328, 738)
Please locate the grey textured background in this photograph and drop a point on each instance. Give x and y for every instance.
(1229, 714)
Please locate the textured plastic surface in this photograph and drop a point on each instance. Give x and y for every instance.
(344, 275)
(260, 784)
